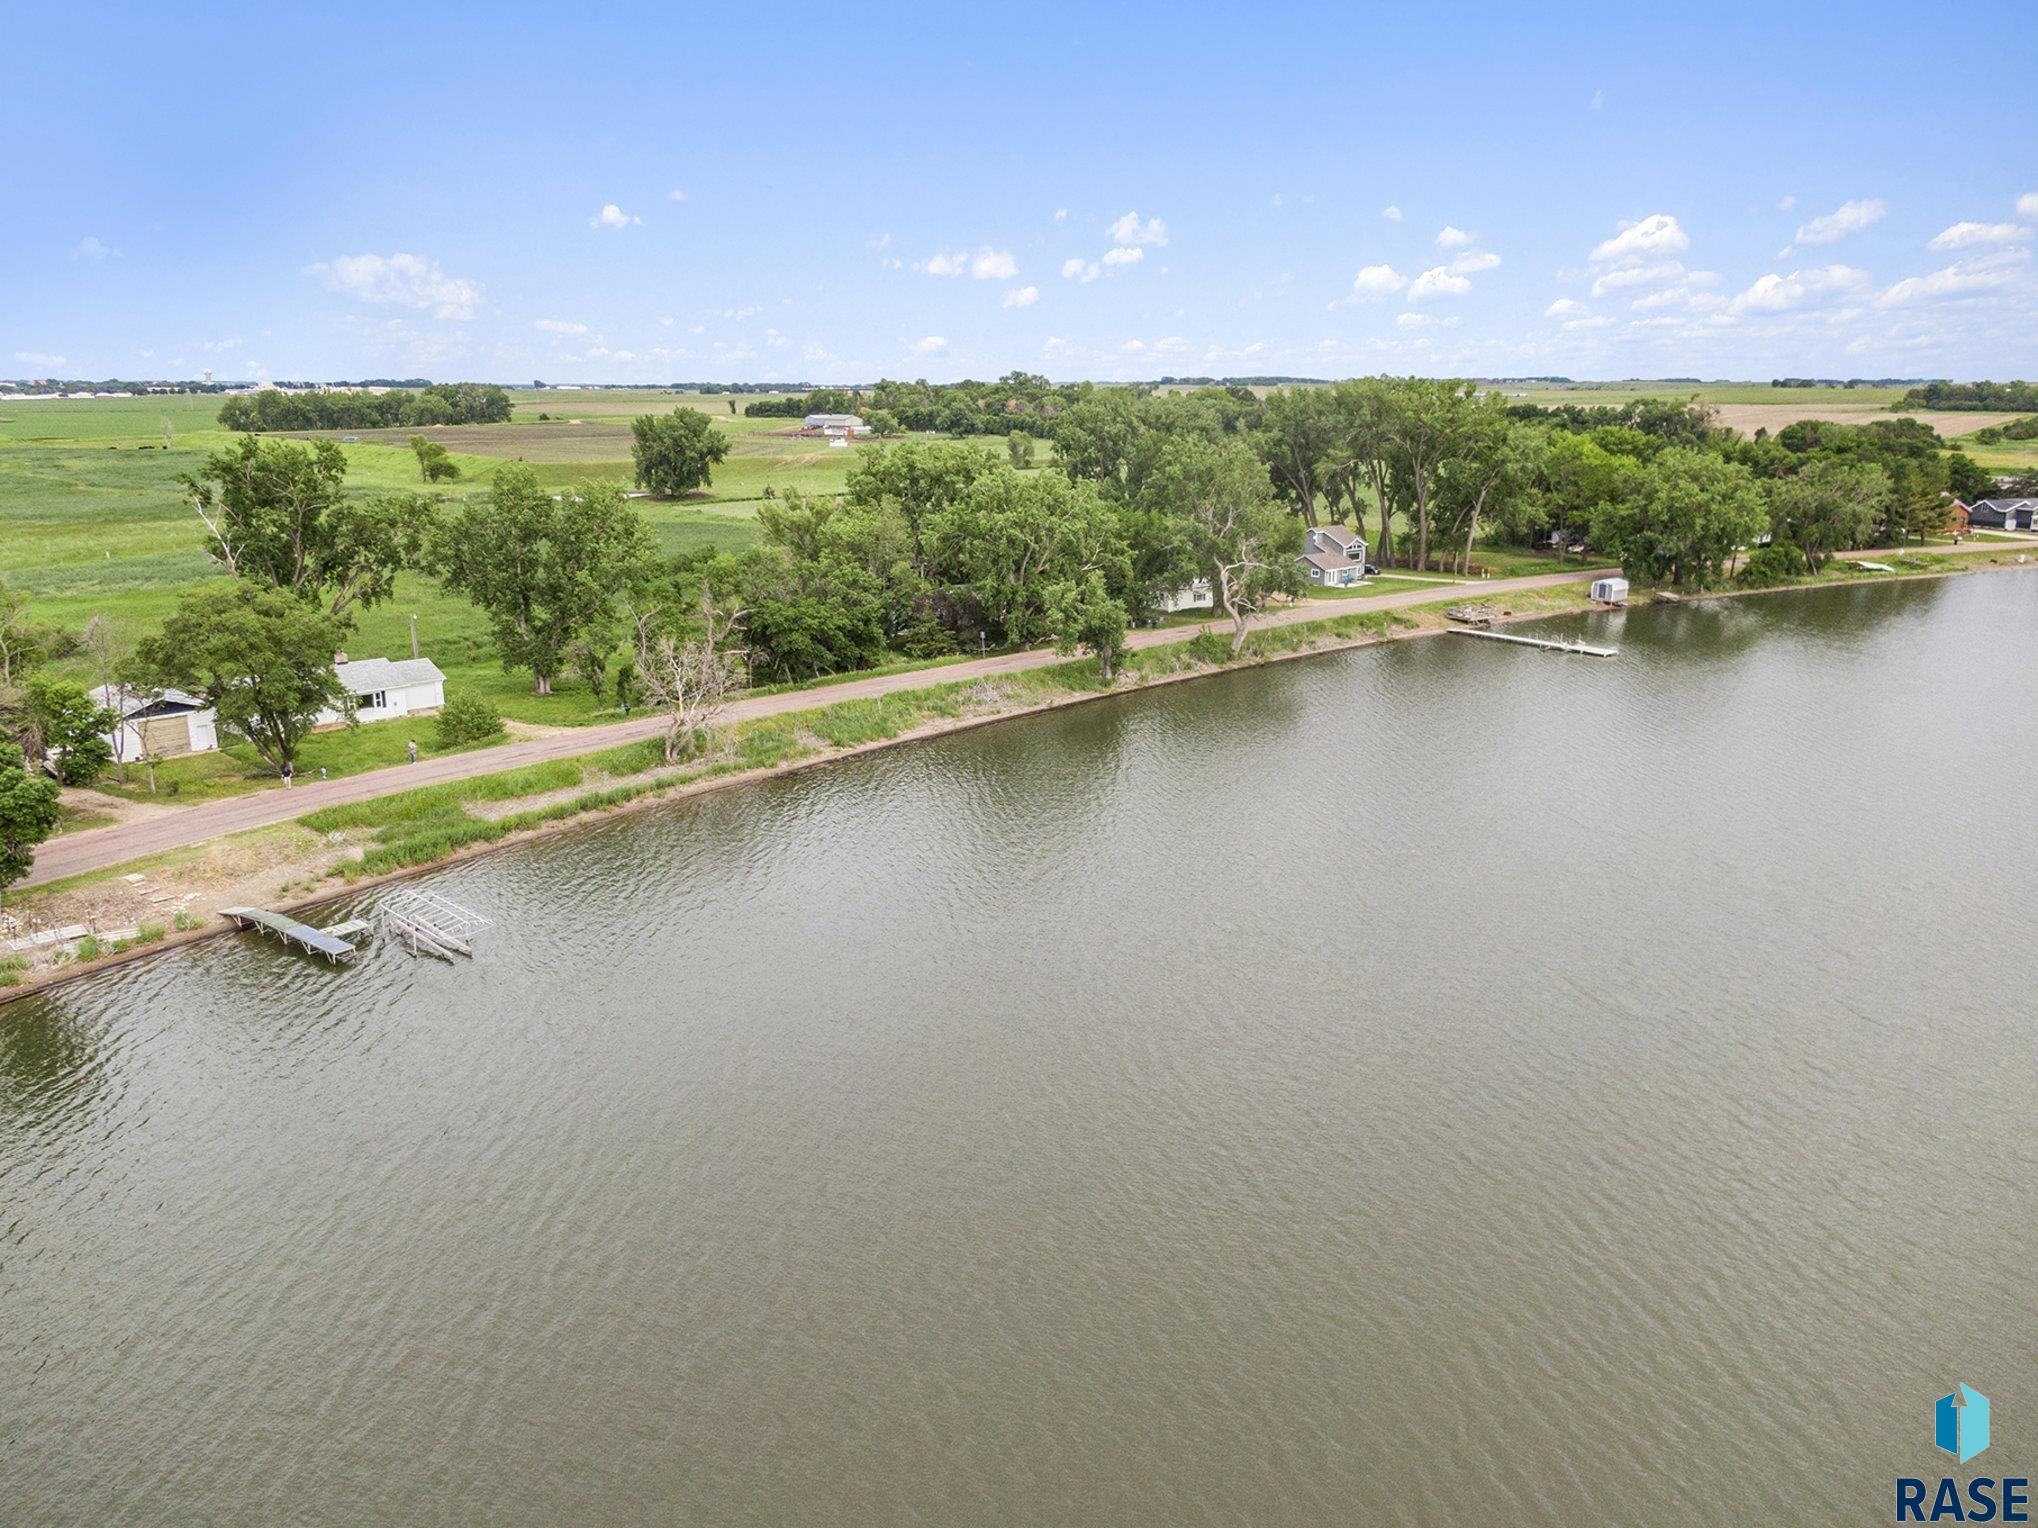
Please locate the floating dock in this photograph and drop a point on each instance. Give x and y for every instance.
(319, 941)
(1582, 649)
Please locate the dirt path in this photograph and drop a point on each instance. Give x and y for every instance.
(98, 848)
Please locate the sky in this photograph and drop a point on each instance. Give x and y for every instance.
(624, 193)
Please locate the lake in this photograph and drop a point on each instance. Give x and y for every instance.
(1435, 1083)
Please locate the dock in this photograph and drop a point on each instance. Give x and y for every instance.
(319, 941)
(1580, 648)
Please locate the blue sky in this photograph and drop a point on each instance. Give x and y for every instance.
(682, 192)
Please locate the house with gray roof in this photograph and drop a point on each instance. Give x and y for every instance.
(2004, 515)
(1333, 557)
(386, 688)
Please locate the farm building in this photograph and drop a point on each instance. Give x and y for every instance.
(1333, 557)
(384, 688)
(1194, 595)
(2003, 515)
(837, 424)
(166, 725)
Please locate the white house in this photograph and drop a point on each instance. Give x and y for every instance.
(1333, 557)
(385, 688)
(166, 725)
(1194, 595)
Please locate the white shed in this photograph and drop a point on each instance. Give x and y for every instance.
(1610, 591)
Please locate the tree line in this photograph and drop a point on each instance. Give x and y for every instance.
(441, 403)
(1996, 397)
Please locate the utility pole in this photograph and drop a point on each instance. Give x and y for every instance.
(413, 634)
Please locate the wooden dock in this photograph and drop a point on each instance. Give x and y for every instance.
(1580, 648)
(290, 931)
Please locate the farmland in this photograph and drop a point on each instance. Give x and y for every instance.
(93, 519)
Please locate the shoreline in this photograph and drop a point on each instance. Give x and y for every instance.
(686, 789)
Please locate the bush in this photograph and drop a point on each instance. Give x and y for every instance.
(468, 719)
(925, 637)
(1777, 563)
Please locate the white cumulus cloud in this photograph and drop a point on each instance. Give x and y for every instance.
(993, 265)
(1777, 294)
(1565, 307)
(1378, 281)
(1978, 273)
(1454, 238)
(1636, 243)
(1124, 254)
(933, 344)
(2027, 205)
(612, 216)
(410, 281)
(1391, 214)
(1843, 221)
(1075, 268)
(1437, 281)
(1971, 235)
(1129, 230)
(1475, 260)
(1020, 297)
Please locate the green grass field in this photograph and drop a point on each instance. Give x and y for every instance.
(93, 521)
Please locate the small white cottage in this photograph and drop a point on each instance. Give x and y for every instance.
(386, 688)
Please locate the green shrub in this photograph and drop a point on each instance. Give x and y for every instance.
(468, 719)
(183, 921)
(925, 637)
(1777, 563)
(89, 948)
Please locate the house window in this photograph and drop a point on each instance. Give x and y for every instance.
(378, 700)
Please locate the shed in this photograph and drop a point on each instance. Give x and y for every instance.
(1610, 591)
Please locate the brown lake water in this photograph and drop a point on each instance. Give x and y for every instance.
(1438, 1083)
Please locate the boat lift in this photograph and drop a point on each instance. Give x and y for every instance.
(430, 924)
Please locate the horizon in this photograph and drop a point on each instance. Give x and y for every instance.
(761, 200)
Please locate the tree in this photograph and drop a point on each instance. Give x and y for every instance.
(28, 814)
(1493, 464)
(1085, 616)
(1237, 530)
(1019, 449)
(1299, 435)
(882, 423)
(1424, 427)
(1691, 511)
(1828, 506)
(546, 572)
(917, 478)
(68, 728)
(435, 462)
(690, 676)
(262, 660)
(676, 453)
(1012, 536)
(276, 512)
(467, 719)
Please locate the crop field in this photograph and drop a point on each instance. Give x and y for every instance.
(1752, 406)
